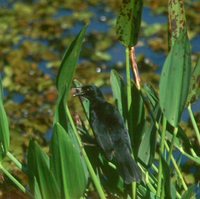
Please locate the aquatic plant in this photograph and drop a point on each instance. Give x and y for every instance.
(72, 168)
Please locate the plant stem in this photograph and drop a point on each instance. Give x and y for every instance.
(14, 180)
(135, 67)
(172, 145)
(134, 192)
(176, 168)
(87, 161)
(129, 101)
(162, 145)
(194, 123)
(148, 182)
(128, 79)
(17, 163)
(195, 159)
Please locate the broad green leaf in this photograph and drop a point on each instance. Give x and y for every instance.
(64, 80)
(137, 122)
(128, 22)
(4, 127)
(175, 80)
(39, 170)
(60, 111)
(194, 93)
(61, 117)
(66, 164)
(69, 63)
(177, 21)
(119, 92)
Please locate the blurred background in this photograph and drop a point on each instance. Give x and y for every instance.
(33, 38)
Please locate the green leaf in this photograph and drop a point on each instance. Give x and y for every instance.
(64, 79)
(175, 80)
(69, 63)
(147, 147)
(194, 93)
(151, 96)
(38, 166)
(37, 193)
(66, 164)
(4, 127)
(138, 119)
(128, 22)
(61, 117)
(119, 92)
(60, 111)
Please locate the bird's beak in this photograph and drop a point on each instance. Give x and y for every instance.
(77, 91)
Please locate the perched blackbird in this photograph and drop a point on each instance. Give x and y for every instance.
(110, 132)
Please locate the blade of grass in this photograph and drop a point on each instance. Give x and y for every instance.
(4, 127)
(13, 159)
(176, 168)
(196, 130)
(159, 187)
(14, 180)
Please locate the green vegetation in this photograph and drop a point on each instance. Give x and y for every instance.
(74, 167)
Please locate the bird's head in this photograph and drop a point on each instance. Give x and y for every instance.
(88, 91)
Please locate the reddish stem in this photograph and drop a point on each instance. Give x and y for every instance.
(135, 67)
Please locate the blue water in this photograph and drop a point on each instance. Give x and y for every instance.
(18, 98)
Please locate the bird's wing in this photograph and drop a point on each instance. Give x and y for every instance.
(103, 137)
(118, 131)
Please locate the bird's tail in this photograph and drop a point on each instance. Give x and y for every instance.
(128, 168)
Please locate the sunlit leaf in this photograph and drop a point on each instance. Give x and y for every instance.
(128, 22)
(175, 80)
(39, 169)
(69, 63)
(66, 164)
(4, 127)
(119, 92)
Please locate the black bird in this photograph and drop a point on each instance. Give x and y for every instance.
(110, 132)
